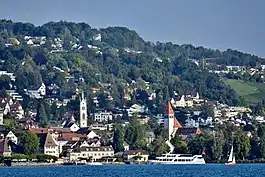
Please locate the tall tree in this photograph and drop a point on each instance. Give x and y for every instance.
(242, 145)
(135, 134)
(41, 115)
(118, 138)
(181, 146)
(29, 143)
(262, 141)
(218, 145)
(158, 147)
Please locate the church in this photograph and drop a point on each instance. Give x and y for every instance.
(170, 122)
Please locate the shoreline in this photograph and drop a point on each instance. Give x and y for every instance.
(24, 164)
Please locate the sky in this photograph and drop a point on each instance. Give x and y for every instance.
(217, 24)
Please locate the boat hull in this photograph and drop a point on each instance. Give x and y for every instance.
(176, 163)
(230, 164)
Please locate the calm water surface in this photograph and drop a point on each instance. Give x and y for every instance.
(244, 170)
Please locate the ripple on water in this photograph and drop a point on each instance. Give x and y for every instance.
(244, 170)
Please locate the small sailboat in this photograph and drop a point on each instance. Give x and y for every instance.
(232, 159)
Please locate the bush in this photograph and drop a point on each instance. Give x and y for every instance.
(45, 158)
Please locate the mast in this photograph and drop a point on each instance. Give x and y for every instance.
(230, 159)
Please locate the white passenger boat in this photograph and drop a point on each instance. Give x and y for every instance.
(178, 159)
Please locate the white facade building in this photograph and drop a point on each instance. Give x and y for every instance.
(103, 116)
(51, 147)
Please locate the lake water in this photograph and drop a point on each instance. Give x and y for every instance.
(241, 170)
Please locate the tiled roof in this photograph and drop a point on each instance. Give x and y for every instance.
(70, 136)
(177, 124)
(189, 131)
(39, 130)
(168, 109)
(15, 106)
(50, 141)
(53, 129)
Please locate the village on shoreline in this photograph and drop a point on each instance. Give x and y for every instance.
(73, 94)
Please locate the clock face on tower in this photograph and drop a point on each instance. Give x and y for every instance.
(83, 108)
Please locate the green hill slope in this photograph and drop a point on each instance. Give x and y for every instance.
(252, 92)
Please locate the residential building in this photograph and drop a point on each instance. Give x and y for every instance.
(71, 124)
(94, 153)
(17, 110)
(191, 123)
(103, 116)
(38, 93)
(4, 105)
(126, 146)
(188, 133)
(90, 134)
(97, 37)
(10, 136)
(11, 75)
(182, 102)
(14, 95)
(51, 147)
(135, 155)
(135, 109)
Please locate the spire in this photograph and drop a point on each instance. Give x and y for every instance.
(82, 96)
(72, 118)
(168, 109)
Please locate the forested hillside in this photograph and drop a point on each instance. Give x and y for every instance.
(115, 55)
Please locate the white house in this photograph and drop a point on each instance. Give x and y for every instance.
(92, 135)
(73, 126)
(97, 37)
(103, 116)
(51, 147)
(88, 152)
(11, 136)
(182, 102)
(39, 93)
(135, 109)
(135, 155)
(11, 75)
(126, 146)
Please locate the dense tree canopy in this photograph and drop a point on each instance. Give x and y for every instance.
(29, 142)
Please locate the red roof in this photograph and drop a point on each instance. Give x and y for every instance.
(70, 136)
(177, 124)
(168, 109)
(39, 130)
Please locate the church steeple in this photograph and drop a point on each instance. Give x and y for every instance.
(170, 122)
(83, 111)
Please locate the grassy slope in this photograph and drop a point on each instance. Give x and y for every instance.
(252, 92)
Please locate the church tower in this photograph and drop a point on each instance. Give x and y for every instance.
(170, 122)
(83, 111)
